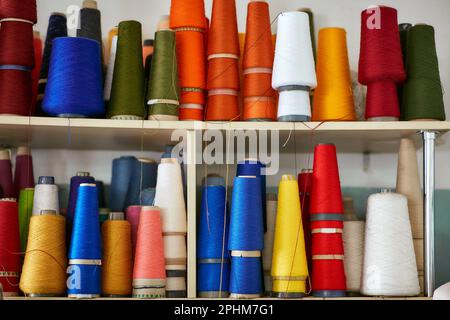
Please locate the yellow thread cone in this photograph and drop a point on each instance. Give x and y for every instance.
(289, 264)
(44, 269)
(117, 258)
(333, 97)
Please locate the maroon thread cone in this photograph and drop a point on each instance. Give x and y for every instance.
(6, 179)
(24, 175)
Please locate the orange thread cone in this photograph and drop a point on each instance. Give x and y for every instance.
(223, 63)
(187, 19)
(259, 97)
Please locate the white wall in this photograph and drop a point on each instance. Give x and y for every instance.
(342, 13)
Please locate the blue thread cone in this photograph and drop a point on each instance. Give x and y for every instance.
(85, 247)
(246, 276)
(143, 176)
(75, 85)
(246, 223)
(213, 275)
(101, 194)
(81, 177)
(147, 197)
(255, 168)
(122, 171)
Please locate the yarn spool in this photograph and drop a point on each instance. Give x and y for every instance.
(44, 268)
(17, 56)
(57, 27)
(147, 49)
(403, 30)
(305, 188)
(133, 214)
(10, 249)
(75, 85)
(163, 91)
(127, 94)
(6, 179)
(23, 176)
(271, 205)
(187, 19)
(246, 238)
(213, 258)
(35, 73)
(110, 70)
(25, 211)
(90, 22)
(353, 237)
(381, 63)
(85, 255)
(122, 171)
(327, 215)
(75, 182)
(252, 167)
(408, 184)
(117, 257)
(143, 176)
(293, 72)
(45, 196)
(333, 97)
(259, 97)
(169, 198)
(289, 263)
(149, 274)
(147, 196)
(422, 92)
(100, 193)
(389, 262)
(223, 63)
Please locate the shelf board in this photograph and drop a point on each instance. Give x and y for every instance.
(105, 134)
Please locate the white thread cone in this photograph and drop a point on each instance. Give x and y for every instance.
(45, 198)
(389, 260)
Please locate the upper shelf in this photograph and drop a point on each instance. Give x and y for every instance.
(103, 134)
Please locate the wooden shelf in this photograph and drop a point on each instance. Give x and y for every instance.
(104, 134)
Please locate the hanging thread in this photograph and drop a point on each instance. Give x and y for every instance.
(381, 63)
(187, 19)
(389, 261)
(17, 56)
(85, 255)
(117, 264)
(57, 27)
(327, 215)
(246, 238)
(149, 274)
(223, 63)
(44, 269)
(293, 72)
(213, 259)
(271, 211)
(259, 97)
(25, 211)
(75, 85)
(127, 94)
(163, 92)
(23, 175)
(6, 179)
(45, 196)
(10, 249)
(333, 97)
(289, 263)
(422, 92)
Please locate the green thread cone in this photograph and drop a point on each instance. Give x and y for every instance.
(422, 93)
(25, 210)
(163, 82)
(403, 30)
(127, 95)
